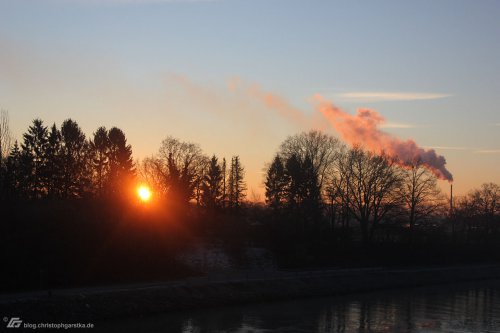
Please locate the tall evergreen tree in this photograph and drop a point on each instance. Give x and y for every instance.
(74, 154)
(54, 167)
(211, 197)
(294, 173)
(224, 183)
(100, 152)
(295, 187)
(14, 176)
(121, 164)
(310, 191)
(236, 183)
(276, 184)
(34, 148)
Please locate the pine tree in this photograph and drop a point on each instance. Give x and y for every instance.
(303, 192)
(74, 155)
(224, 183)
(236, 183)
(14, 177)
(121, 164)
(310, 191)
(294, 173)
(276, 184)
(211, 197)
(34, 149)
(54, 168)
(100, 152)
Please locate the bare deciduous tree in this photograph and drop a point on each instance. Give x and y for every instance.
(484, 201)
(320, 148)
(478, 213)
(5, 136)
(371, 183)
(181, 166)
(420, 192)
(151, 171)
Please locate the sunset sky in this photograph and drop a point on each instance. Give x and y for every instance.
(239, 76)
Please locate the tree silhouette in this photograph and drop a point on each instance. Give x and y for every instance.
(478, 213)
(337, 189)
(487, 199)
(5, 140)
(100, 152)
(211, 187)
(320, 148)
(419, 191)
(310, 191)
(74, 155)
(5, 136)
(121, 164)
(224, 183)
(153, 171)
(13, 175)
(34, 147)
(372, 190)
(181, 165)
(295, 175)
(179, 187)
(236, 184)
(276, 184)
(54, 167)
(299, 187)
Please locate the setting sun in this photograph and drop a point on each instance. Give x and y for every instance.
(144, 193)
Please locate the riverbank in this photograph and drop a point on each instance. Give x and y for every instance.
(100, 303)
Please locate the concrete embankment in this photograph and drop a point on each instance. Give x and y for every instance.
(98, 303)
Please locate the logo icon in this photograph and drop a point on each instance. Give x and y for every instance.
(15, 322)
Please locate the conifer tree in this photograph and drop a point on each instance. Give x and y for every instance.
(14, 176)
(211, 197)
(236, 183)
(54, 168)
(276, 184)
(100, 152)
(74, 156)
(34, 148)
(121, 164)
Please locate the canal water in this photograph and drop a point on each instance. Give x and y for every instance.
(471, 307)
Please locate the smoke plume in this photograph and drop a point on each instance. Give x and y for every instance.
(363, 129)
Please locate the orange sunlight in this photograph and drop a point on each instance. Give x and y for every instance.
(144, 193)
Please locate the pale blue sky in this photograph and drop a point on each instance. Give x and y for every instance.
(119, 62)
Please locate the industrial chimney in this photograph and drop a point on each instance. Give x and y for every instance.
(451, 199)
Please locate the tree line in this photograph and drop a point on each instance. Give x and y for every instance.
(315, 178)
(70, 212)
(183, 173)
(325, 204)
(62, 163)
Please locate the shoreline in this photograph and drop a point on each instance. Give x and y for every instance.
(103, 303)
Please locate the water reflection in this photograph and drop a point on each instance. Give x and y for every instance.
(459, 308)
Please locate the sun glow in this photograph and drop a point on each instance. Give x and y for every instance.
(144, 193)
